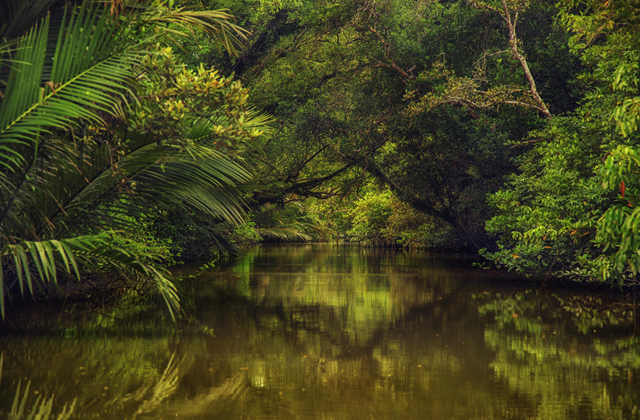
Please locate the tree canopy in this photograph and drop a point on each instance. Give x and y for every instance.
(511, 122)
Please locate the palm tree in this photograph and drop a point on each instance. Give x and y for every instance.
(88, 142)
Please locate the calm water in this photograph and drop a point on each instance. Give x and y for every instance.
(338, 332)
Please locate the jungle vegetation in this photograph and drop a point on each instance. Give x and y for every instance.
(137, 133)
(507, 127)
(103, 132)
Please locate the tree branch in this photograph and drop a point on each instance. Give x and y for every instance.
(515, 53)
(513, 43)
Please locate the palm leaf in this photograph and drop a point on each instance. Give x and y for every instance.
(103, 247)
(283, 234)
(199, 177)
(88, 77)
(48, 257)
(293, 222)
(191, 176)
(22, 91)
(41, 408)
(216, 23)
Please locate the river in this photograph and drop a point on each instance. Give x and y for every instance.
(328, 331)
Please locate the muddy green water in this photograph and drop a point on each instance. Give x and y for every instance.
(338, 332)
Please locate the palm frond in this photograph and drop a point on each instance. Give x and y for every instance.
(41, 408)
(197, 178)
(218, 24)
(283, 234)
(220, 239)
(46, 258)
(295, 221)
(22, 91)
(88, 77)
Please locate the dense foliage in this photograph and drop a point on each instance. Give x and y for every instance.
(101, 130)
(532, 104)
(572, 211)
(421, 99)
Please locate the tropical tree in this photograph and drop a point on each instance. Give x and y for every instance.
(99, 125)
(573, 210)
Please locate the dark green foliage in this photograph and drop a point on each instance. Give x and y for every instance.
(435, 101)
(99, 129)
(572, 211)
(422, 97)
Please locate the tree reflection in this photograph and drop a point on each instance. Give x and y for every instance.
(576, 356)
(311, 332)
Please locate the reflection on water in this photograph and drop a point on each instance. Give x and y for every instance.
(339, 332)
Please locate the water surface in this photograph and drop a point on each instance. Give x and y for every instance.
(322, 331)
